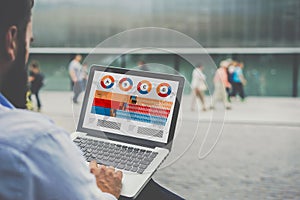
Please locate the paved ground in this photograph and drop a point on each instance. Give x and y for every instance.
(256, 156)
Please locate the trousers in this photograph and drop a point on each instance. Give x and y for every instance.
(154, 191)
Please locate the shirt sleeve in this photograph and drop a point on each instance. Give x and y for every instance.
(109, 196)
(59, 171)
(71, 173)
(15, 182)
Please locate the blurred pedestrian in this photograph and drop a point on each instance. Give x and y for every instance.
(36, 82)
(75, 69)
(230, 71)
(198, 86)
(84, 74)
(238, 81)
(221, 83)
(143, 66)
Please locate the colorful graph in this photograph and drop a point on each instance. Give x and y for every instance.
(125, 84)
(107, 81)
(144, 87)
(122, 106)
(163, 90)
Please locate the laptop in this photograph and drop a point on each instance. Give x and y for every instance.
(127, 120)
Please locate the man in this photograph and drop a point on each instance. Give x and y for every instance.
(38, 160)
(75, 71)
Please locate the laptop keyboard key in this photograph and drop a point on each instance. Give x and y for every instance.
(123, 162)
(88, 154)
(153, 154)
(120, 166)
(93, 155)
(145, 162)
(82, 144)
(77, 140)
(117, 161)
(111, 159)
(140, 171)
(142, 166)
(140, 157)
(105, 158)
(89, 150)
(149, 159)
(104, 162)
(134, 169)
(136, 164)
(90, 159)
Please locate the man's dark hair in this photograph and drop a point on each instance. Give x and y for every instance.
(13, 84)
(14, 13)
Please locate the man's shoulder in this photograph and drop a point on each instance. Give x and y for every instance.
(71, 64)
(25, 116)
(21, 129)
(74, 64)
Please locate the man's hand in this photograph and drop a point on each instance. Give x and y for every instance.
(107, 179)
(73, 76)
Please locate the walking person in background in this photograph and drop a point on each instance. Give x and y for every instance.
(84, 74)
(141, 65)
(238, 81)
(36, 81)
(198, 86)
(75, 73)
(221, 83)
(230, 71)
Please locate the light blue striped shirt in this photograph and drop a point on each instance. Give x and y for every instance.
(38, 160)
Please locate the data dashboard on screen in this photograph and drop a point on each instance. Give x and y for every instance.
(130, 105)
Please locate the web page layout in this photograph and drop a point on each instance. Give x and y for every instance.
(135, 106)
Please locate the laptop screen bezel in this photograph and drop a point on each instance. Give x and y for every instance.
(129, 139)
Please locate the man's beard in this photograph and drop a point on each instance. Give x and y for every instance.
(14, 84)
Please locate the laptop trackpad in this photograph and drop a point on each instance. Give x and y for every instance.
(133, 183)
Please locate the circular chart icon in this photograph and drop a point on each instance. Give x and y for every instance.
(125, 84)
(163, 90)
(107, 81)
(144, 87)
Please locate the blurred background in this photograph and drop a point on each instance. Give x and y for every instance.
(257, 156)
(265, 35)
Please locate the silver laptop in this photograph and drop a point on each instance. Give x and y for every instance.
(128, 121)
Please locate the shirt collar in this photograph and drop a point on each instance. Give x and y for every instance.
(4, 102)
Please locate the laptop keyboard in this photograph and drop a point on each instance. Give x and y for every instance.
(119, 156)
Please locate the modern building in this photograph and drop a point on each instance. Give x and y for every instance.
(265, 35)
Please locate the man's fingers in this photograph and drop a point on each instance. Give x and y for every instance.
(93, 166)
(119, 174)
(109, 171)
(102, 170)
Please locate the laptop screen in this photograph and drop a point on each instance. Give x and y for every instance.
(131, 105)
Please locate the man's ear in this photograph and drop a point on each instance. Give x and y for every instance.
(11, 43)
